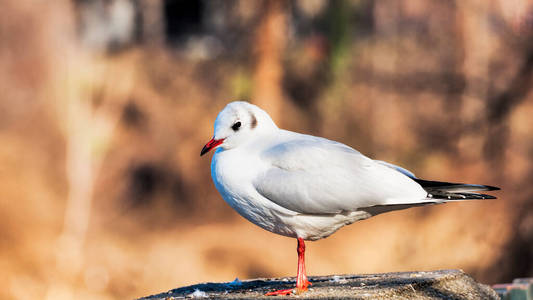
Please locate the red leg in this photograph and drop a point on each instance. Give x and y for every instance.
(301, 277)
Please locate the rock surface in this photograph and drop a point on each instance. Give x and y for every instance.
(442, 284)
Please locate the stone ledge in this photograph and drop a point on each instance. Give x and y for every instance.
(442, 284)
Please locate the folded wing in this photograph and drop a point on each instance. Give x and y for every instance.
(312, 175)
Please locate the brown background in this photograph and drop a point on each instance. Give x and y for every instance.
(105, 105)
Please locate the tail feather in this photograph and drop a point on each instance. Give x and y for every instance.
(438, 192)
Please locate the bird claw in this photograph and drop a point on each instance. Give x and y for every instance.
(297, 290)
(280, 292)
(300, 290)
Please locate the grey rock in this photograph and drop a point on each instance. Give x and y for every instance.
(442, 284)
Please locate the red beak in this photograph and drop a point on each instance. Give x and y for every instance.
(210, 145)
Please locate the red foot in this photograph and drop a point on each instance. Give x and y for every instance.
(302, 289)
(290, 291)
(280, 292)
(301, 278)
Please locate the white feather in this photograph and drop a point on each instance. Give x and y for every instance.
(299, 185)
(313, 175)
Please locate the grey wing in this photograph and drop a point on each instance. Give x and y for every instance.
(397, 168)
(317, 176)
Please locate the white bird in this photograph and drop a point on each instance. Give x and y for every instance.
(308, 187)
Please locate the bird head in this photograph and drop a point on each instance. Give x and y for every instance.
(239, 123)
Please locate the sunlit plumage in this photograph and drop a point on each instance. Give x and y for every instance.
(308, 187)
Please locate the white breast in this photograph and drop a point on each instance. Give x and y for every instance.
(231, 173)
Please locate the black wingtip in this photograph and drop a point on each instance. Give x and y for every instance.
(492, 188)
(430, 185)
(447, 197)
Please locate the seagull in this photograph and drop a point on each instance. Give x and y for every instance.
(308, 187)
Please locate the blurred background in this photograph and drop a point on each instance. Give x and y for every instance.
(105, 105)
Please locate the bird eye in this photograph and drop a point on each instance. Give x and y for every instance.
(236, 126)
